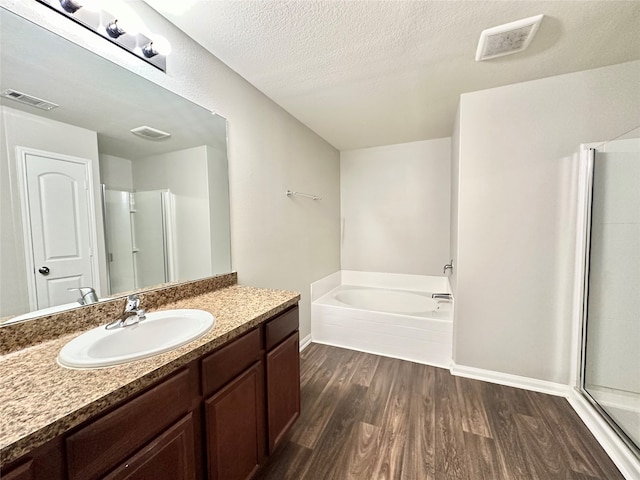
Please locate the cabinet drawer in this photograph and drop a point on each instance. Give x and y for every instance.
(103, 444)
(281, 327)
(229, 361)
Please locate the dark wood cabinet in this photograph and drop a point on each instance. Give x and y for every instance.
(217, 417)
(170, 456)
(101, 445)
(226, 363)
(235, 427)
(283, 388)
(43, 463)
(22, 472)
(252, 397)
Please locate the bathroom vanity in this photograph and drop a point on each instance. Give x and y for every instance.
(215, 408)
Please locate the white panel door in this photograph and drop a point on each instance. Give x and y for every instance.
(58, 204)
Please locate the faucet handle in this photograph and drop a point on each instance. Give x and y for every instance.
(133, 303)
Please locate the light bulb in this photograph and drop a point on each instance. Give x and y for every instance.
(70, 6)
(114, 30)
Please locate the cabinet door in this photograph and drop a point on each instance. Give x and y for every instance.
(171, 456)
(235, 427)
(23, 472)
(44, 463)
(283, 389)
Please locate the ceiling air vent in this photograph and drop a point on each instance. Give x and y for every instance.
(150, 133)
(506, 39)
(28, 99)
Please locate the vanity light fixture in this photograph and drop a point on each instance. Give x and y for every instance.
(114, 30)
(70, 6)
(148, 50)
(110, 27)
(159, 46)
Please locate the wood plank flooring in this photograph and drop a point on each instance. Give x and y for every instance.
(366, 417)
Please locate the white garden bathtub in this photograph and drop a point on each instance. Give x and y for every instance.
(373, 317)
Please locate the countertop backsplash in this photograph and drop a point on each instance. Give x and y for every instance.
(25, 334)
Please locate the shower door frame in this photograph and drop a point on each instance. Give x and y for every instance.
(587, 156)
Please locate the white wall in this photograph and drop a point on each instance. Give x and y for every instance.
(395, 207)
(20, 129)
(116, 172)
(185, 174)
(219, 209)
(517, 214)
(276, 242)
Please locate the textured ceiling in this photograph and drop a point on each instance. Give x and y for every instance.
(368, 73)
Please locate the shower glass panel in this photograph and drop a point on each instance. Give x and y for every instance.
(152, 237)
(140, 235)
(611, 360)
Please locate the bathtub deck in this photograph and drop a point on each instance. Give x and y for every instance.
(367, 417)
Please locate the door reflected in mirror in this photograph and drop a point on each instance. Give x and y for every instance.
(156, 207)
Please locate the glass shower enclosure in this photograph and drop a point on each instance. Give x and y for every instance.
(139, 231)
(610, 377)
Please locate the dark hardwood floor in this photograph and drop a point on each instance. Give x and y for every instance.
(367, 417)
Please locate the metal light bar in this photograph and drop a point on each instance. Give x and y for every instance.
(107, 26)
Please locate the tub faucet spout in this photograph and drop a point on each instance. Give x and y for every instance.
(448, 266)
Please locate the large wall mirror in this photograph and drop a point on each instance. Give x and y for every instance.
(122, 186)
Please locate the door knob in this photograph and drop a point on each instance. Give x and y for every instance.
(44, 270)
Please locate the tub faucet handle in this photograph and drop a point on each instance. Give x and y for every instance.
(448, 266)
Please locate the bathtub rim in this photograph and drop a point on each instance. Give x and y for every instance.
(329, 300)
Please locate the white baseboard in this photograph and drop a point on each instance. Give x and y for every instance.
(305, 342)
(625, 460)
(509, 380)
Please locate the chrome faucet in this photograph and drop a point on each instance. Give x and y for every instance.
(448, 266)
(442, 296)
(131, 315)
(87, 295)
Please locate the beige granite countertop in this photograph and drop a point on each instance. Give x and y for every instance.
(39, 399)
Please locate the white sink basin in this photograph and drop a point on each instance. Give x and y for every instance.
(159, 332)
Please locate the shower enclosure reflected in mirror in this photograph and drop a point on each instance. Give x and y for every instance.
(611, 353)
(140, 237)
(77, 187)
